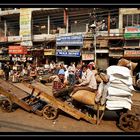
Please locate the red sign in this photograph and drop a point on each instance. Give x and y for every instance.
(132, 53)
(17, 50)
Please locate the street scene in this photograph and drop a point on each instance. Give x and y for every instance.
(70, 70)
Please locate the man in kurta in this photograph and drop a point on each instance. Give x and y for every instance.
(88, 81)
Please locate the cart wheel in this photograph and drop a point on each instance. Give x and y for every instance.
(129, 122)
(49, 112)
(6, 105)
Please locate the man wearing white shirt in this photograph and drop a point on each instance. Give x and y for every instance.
(88, 81)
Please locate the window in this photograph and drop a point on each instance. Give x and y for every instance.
(131, 20)
(132, 43)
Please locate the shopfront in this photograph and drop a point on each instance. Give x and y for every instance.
(68, 48)
(18, 53)
(49, 55)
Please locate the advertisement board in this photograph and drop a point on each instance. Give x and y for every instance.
(132, 32)
(17, 50)
(73, 40)
(14, 38)
(49, 52)
(68, 53)
(132, 53)
(26, 25)
(88, 56)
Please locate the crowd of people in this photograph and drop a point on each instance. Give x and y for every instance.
(67, 79)
(74, 78)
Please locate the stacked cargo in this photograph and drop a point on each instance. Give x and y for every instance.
(119, 92)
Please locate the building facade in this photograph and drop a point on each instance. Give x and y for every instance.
(64, 34)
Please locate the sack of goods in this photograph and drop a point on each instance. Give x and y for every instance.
(127, 63)
(104, 77)
(119, 92)
(84, 96)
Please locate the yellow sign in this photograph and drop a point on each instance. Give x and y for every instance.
(25, 25)
(49, 52)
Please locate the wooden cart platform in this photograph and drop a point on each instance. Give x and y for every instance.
(24, 95)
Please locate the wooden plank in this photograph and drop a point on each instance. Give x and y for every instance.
(63, 106)
(22, 87)
(14, 99)
(13, 89)
(47, 89)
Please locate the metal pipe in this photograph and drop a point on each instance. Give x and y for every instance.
(95, 57)
(48, 24)
(109, 24)
(5, 28)
(67, 25)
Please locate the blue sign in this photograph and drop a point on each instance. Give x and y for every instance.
(68, 53)
(74, 40)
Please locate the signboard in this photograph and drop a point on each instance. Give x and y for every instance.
(68, 53)
(73, 40)
(4, 58)
(132, 53)
(49, 52)
(88, 56)
(3, 39)
(132, 32)
(43, 37)
(116, 54)
(14, 38)
(26, 43)
(17, 50)
(25, 25)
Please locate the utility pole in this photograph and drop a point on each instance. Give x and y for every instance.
(48, 25)
(95, 57)
(109, 23)
(5, 28)
(93, 27)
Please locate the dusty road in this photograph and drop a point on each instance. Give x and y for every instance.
(22, 121)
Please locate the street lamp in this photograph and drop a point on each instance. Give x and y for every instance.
(93, 29)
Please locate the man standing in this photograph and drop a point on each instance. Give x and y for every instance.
(6, 71)
(71, 72)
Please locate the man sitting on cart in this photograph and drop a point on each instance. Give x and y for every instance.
(88, 81)
(59, 88)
